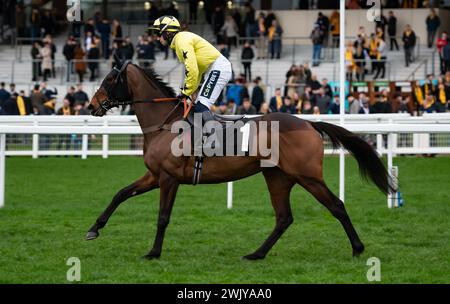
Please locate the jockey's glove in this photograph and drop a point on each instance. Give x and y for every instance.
(181, 96)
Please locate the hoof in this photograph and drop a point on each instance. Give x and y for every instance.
(253, 257)
(152, 256)
(91, 235)
(358, 250)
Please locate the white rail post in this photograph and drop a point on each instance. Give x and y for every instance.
(84, 144)
(342, 96)
(105, 141)
(380, 144)
(35, 142)
(390, 146)
(230, 195)
(2, 169)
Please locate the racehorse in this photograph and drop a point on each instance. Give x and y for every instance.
(301, 153)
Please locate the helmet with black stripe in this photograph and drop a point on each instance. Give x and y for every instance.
(165, 24)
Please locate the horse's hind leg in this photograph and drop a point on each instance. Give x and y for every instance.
(280, 185)
(320, 191)
(142, 185)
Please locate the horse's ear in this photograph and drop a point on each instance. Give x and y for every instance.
(117, 60)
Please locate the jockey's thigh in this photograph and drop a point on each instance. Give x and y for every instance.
(216, 78)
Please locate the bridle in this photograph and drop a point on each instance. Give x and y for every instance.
(122, 96)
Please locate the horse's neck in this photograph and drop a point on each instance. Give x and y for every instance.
(155, 114)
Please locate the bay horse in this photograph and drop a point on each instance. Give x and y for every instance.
(301, 152)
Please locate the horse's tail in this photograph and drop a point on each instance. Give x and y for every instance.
(370, 165)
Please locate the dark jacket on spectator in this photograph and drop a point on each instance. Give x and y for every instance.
(409, 41)
(69, 51)
(257, 97)
(247, 54)
(382, 107)
(433, 23)
(291, 109)
(242, 111)
(392, 26)
(323, 103)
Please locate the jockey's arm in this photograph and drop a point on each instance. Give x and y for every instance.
(186, 54)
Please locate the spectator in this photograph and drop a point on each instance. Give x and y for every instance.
(383, 105)
(324, 24)
(268, 21)
(247, 56)
(403, 104)
(322, 101)
(327, 88)
(335, 107)
(293, 82)
(79, 109)
(20, 20)
(380, 25)
(104, 29)
(93, 57)
(4, 95)
(46, 54)
(316, 36)
(288, 106)
(365, 107)
(392, 30)
(354, 105)
(441, 43)
(218, 20)
(381, 57)
(429, 104)
(349, 62)
(314, 84)
(69, 54)
(261, 45)
(230, 30)
(193, 8)
(373, 54)
(276, 101)
(246, 108)
(35, 21)
(12, 88)
(257, 94)
(409, 42)
(335, 28)
(66, 109)
(274, 34)
(36, 57)
(37, 100)
(234, 92)
(222, 109)
(442, 98)
(88, 41)
(71, 96)
(433, 22)
(307, 107)
(128, 48)
(359, 58)
(23, 104)
(446, 57)
(145, 51)
(224, 50)
(80, 63)
(48, 38)
(249, 20)
(89, 27)
(80, 96)
(47, 23)
(316, 110)
(361, 38)
(264, 109)
(429, 86)
(232, 107)
(116, 30)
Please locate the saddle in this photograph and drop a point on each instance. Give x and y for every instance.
(224, 136)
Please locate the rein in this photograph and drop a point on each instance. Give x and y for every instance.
(114, 102)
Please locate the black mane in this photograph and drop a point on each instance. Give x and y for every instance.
(164, 86)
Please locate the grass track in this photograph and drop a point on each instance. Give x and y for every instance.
(51, 202)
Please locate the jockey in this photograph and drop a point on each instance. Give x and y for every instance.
(201, 60)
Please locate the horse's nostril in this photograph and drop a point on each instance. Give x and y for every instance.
(90, 107)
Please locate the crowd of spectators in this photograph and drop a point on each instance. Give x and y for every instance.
(42, 100)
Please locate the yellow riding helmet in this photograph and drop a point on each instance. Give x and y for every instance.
(166, 24)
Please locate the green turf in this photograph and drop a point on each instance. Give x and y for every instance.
(51, 203)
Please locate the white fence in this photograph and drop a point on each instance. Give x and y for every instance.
(29, 136)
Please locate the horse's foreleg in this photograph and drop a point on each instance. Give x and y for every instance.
(280, 185)
(168, 191)
(142, 185)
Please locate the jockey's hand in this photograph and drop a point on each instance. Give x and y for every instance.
(181, 96)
